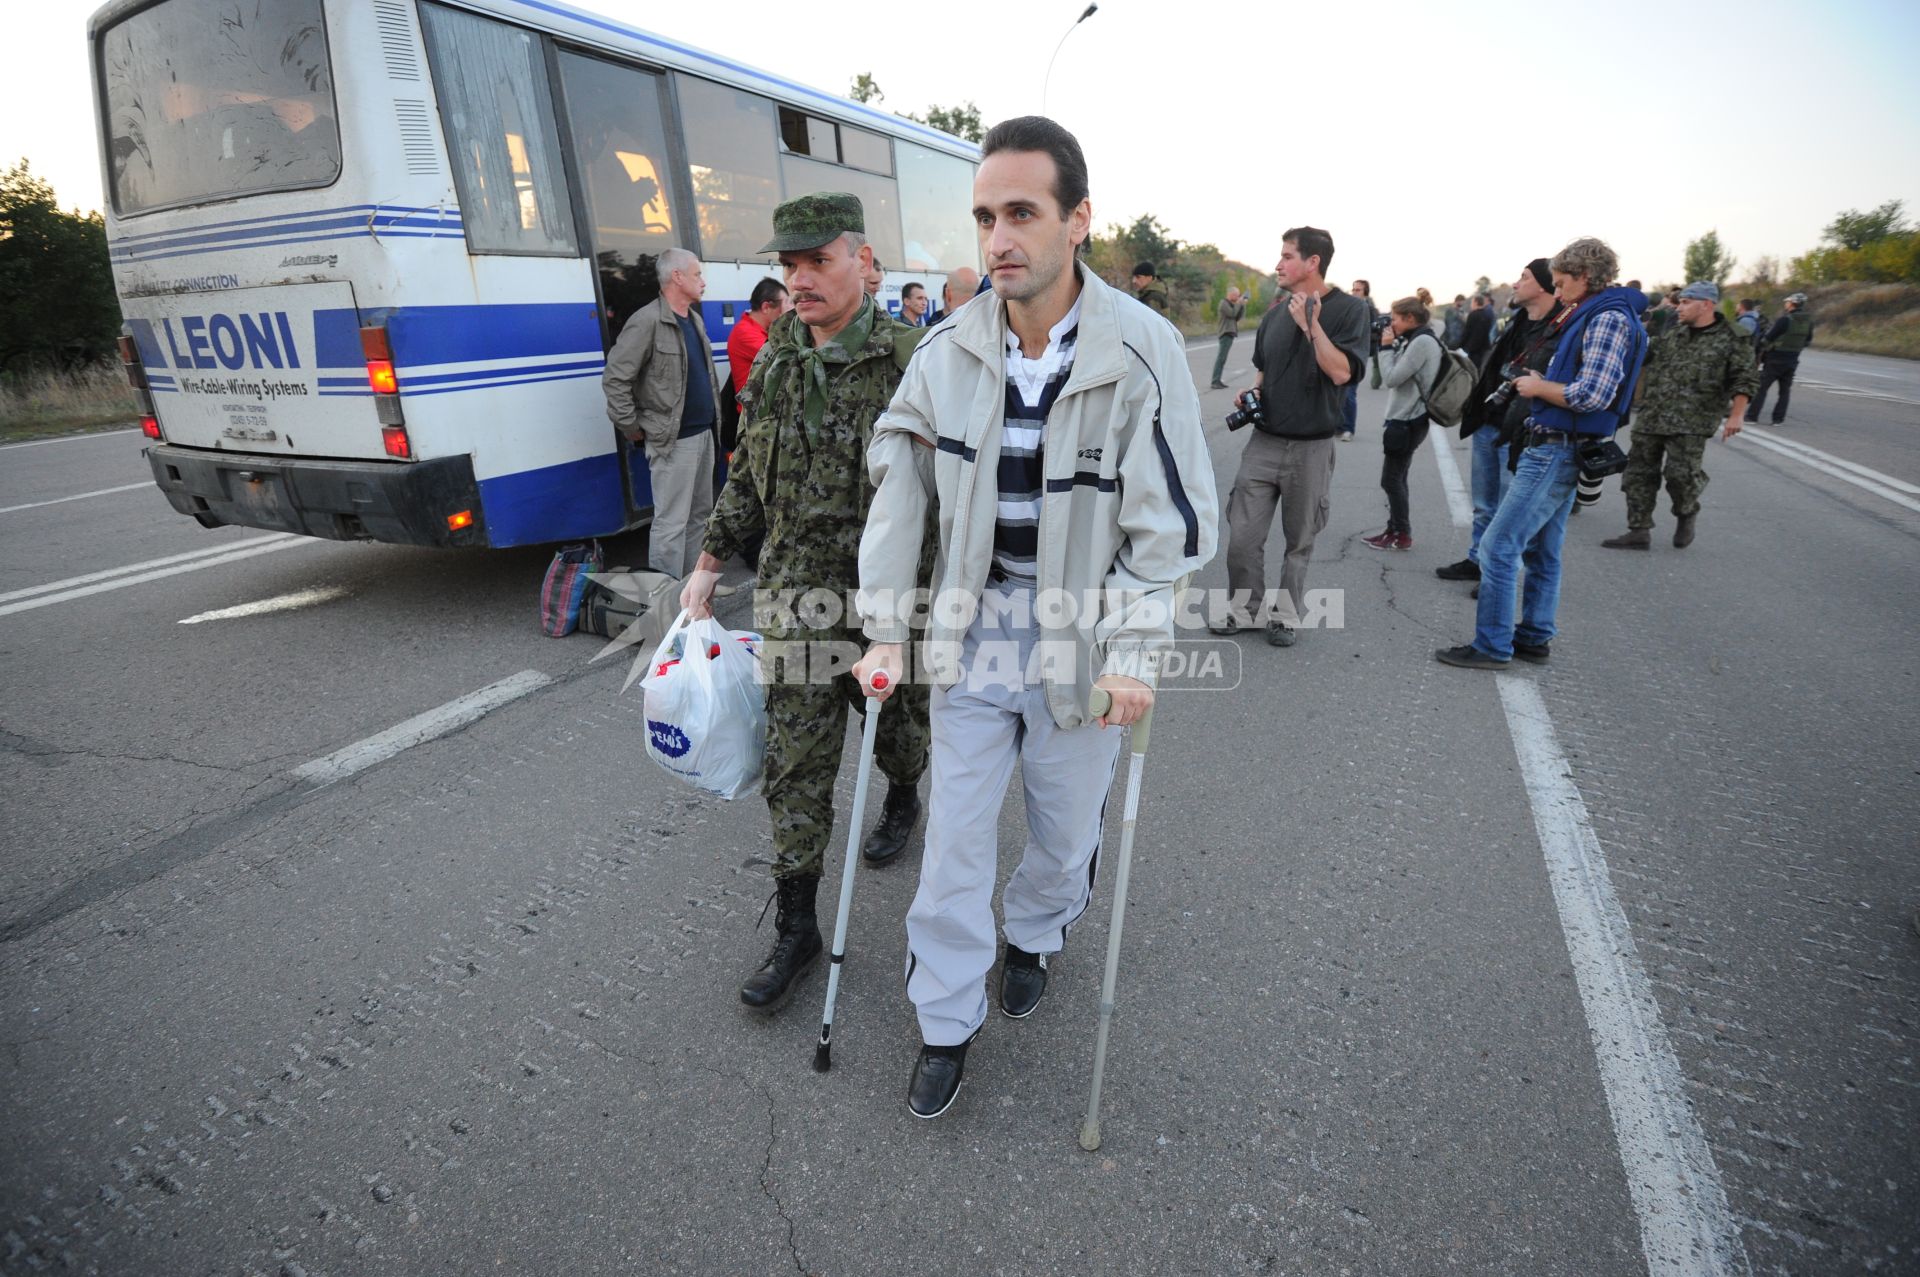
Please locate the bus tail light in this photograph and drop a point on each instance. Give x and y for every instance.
(150, 426)
(463, 519)
(385, 383)
(137, 378)
(396, 442)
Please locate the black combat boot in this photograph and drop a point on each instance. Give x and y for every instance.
(897, 819)
(794, 950)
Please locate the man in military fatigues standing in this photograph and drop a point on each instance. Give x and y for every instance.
(1699, 376)
(1780, 357)
(827, 372)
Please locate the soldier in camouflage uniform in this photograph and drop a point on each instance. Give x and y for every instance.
(1694, 370)
(828, 370)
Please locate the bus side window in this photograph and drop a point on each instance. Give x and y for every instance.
(618, 133)
(497, 109)
(735, 163)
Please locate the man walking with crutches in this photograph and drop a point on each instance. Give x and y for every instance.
(1054, 432)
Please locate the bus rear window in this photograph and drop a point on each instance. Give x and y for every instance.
(210, 99)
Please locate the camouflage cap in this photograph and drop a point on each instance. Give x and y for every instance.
(808, 221)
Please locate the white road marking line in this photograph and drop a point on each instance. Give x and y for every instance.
(78, 496)
(207, 553)
(36, 443)
(1809, 450)
(1826, 463)
(1834, 388)
(1459, 504)
(1686, 1227)
(279, 603)
(121, 582)
(419, 729)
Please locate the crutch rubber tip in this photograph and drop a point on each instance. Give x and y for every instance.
(1090, 1135)
(822, 1058)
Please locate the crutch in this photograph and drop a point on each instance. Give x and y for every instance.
(1098, 704)
(823, 1053)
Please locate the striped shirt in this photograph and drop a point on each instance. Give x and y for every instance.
(1032, 386)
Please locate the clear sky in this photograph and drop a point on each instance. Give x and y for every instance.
(1436, 142)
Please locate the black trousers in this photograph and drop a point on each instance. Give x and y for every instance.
(1399, 441)
(1774, 371)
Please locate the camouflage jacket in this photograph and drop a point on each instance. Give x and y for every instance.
(805, 487)
(1692, 374)
(1153, 295)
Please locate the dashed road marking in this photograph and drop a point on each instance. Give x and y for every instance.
(136, 573)
(419, 729)
(1686, 1228)
(278, 603)
(1459, 505)
(78, 496)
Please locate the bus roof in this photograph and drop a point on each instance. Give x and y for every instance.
(606, 33)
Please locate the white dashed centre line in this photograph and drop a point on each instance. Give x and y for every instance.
(419, 729)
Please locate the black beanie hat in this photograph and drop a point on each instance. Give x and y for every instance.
(1145, 268)
(1542, 271)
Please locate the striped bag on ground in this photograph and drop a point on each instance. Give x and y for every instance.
(566, 586)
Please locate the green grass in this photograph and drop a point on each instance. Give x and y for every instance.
(39, 405)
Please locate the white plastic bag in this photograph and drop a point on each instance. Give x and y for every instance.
(706, 711)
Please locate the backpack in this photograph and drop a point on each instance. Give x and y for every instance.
(1446, 399)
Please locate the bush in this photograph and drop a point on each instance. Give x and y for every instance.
(57, 304)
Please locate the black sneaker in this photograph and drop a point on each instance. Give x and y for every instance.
(1281, 635)
(1023, 978)
(1534, 652)
(1225, 628)
(1464, 570)
(1468, 657)
(936, 1079)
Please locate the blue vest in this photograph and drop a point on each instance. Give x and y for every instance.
(1565, 364)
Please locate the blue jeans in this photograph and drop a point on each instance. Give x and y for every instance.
(1352, 407)
(1490, 481)
(1529, 526)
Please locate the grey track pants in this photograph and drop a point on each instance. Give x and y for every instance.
(982, 725)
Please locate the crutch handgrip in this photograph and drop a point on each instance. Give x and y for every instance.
(1099, 701)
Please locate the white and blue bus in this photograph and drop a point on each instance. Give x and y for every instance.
(372, 253)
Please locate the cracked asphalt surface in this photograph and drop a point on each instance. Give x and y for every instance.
(474, 1009)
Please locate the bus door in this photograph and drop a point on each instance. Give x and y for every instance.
(616, 122)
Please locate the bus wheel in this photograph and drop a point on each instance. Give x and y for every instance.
(210, 520)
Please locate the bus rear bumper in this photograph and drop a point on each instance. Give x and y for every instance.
(407, 503)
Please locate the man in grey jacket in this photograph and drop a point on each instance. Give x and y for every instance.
(662, 389)
(1053, 432)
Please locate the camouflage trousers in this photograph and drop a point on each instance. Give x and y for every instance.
(1686, 476)
(809, 690)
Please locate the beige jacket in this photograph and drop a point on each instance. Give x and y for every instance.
(1129, 510)
(646, 376)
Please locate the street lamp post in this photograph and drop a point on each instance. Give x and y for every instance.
(1047, 83)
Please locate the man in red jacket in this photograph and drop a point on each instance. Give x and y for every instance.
(767, 303)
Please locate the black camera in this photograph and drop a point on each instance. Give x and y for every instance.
(1247, 413)
(1504, 392)
(1380, 322)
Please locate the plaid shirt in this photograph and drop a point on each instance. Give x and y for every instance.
(1604, 348)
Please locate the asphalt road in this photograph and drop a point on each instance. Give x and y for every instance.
(1396, 997)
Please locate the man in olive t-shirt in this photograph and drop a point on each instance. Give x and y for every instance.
(1305, 355)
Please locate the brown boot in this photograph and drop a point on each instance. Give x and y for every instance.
(1631, 539)
(1683, 531)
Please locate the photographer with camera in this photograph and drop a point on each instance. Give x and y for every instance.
(1304, 355)
(1496, 415)
(1574, 410)
(1408, 369)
